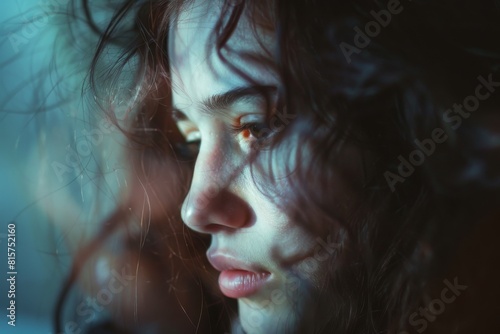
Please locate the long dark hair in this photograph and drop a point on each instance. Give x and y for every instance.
(369, 84)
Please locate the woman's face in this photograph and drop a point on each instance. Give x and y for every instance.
(266, 261)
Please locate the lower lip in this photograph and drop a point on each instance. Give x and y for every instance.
(241, 283)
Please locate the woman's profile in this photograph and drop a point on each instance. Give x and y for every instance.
(288, 167)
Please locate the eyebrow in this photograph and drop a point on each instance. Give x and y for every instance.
(218, 102)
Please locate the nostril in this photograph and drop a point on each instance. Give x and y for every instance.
(215, 210)
(231, 211)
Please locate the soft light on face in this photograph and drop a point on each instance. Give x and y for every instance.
(252, 238)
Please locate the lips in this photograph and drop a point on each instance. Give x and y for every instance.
(238, 279)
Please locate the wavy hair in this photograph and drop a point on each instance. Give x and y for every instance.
(365, 100)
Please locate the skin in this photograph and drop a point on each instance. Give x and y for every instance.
(241, 219)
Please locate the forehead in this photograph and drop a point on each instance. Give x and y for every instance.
(197, 70)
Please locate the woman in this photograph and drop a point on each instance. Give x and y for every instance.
(336, 161)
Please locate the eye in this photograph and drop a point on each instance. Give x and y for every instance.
(252, 127)
(188, 149)
(258, 131)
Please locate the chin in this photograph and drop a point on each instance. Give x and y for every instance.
(265, 316)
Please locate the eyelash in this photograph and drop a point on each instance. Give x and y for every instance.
(237, 129)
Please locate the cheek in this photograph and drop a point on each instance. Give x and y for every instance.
(277, 170)
(277, 174)
(286, 241)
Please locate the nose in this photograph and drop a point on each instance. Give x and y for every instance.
(211, 204)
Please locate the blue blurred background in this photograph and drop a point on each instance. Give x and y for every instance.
(41, 260)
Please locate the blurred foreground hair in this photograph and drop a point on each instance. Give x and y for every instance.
(407, 222)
